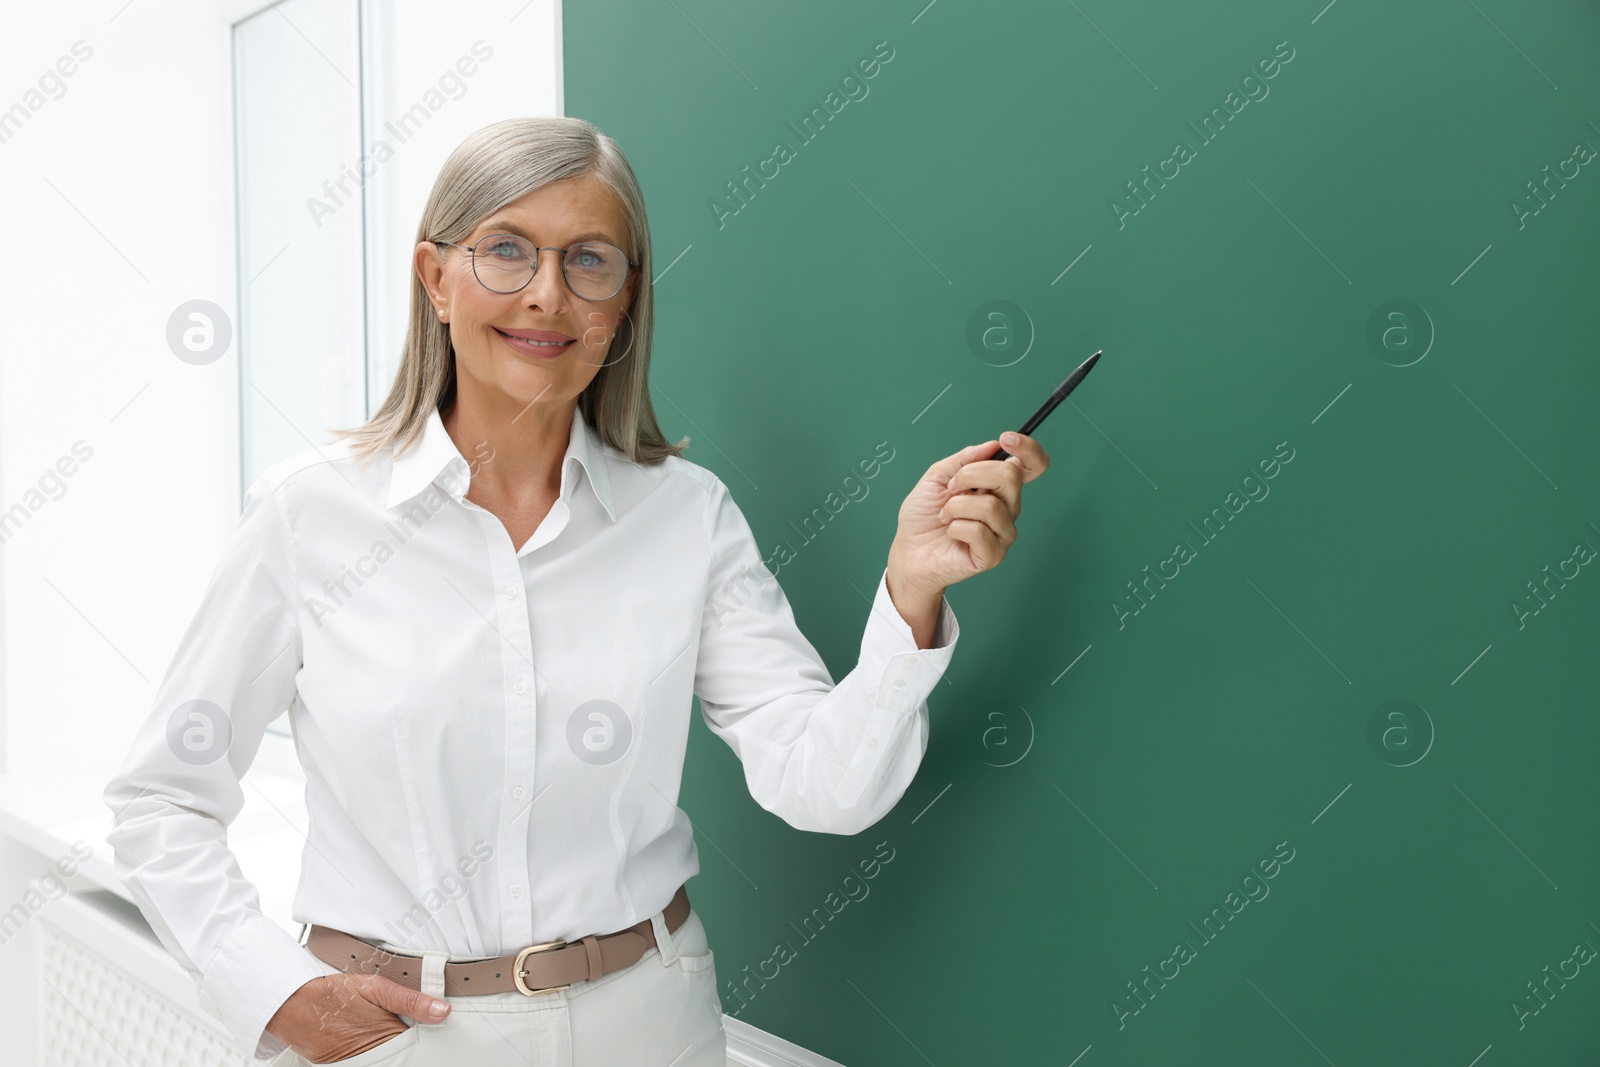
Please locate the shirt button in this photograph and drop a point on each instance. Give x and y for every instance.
(899, 683)
(518, 793)
(516, 890)
(511, 592)
(522, 687)
(872, 742)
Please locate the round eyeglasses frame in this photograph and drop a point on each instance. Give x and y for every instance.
(472, 252)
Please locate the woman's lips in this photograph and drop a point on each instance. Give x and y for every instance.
(534, 348)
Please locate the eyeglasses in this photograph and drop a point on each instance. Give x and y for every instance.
(594, 270)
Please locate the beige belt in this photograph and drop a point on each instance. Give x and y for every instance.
(542, 968)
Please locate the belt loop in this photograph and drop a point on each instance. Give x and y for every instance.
(596, 964)
(433, 974)
(669, 951)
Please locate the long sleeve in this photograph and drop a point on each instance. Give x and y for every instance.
(823, 757)
(177, 792)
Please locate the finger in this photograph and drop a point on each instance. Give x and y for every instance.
(947, 467)
(986, 476)
(1029, 455)
(985, 508)
(396, 998)
(985, 547)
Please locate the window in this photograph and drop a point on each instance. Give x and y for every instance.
(297, 119)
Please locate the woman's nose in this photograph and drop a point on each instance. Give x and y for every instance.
(548, 287)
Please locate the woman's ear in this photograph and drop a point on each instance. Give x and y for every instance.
(430, 270)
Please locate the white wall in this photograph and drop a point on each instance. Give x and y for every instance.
(126, 166)
(129, 170)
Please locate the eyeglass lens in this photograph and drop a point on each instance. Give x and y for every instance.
(594, 270)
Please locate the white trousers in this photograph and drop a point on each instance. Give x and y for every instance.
(663, 1011)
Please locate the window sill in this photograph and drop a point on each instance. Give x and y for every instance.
(267, 837)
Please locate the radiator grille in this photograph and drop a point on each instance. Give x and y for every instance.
(94, 1014)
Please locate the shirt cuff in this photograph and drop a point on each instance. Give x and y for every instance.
(248, 979)
(899, 677)
(889, 636)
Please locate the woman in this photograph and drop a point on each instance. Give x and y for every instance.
(488, 665)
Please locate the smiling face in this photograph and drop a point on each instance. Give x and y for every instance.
(496, 335)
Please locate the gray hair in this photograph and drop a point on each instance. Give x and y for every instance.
(493, 167)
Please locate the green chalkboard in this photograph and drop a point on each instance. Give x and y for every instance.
(1294, 662)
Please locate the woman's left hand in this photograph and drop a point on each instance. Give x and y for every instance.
(948, 534)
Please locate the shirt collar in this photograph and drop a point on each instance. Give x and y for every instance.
(435, 459)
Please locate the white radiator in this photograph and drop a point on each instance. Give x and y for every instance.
(111, 995)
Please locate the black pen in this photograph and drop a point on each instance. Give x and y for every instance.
(1055, 398)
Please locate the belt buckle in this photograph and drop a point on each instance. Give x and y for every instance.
(517, 972)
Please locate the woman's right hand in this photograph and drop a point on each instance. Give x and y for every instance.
(338, 1015)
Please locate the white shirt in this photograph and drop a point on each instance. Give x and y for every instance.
(492, 738)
